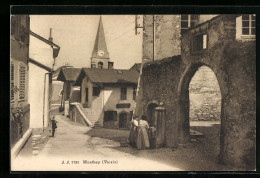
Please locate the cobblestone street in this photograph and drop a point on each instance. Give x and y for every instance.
(80, 148)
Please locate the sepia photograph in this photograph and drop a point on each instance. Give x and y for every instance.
(144, 92)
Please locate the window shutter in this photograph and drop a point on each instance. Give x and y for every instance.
(22, 72)
(17, 27)
(12, 82)
(13, 24)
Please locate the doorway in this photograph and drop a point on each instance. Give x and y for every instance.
(86, 99)
(123, 120)
(150, 113)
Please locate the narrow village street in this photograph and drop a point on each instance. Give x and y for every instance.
(79, 148)
(184, 84)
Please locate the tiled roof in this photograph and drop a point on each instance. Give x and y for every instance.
(97, 75)
(69, 74)
(57, 71)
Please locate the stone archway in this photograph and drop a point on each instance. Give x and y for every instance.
(183, 105)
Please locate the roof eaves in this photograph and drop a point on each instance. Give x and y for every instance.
(76, 81)
(59, 76)
(88, 76)
(43, 39)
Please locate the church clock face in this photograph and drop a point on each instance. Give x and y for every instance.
(101, 52)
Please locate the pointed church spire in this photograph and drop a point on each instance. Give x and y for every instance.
(100, 47)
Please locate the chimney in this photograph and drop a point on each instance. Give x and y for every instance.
(50, 38)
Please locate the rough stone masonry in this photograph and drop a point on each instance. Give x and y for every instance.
(205, 96)
(233, 63)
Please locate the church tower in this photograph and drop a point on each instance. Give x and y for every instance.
(100, 56)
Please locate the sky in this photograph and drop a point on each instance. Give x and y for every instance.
(76, 34)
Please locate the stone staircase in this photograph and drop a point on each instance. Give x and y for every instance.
(88, 116)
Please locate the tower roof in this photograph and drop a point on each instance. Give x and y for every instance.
(100, 47)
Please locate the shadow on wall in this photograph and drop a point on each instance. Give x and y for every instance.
(75, 96)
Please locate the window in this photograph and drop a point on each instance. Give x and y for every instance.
(123, 94)
(110, 116)
(12, 82)
(134, 93)
(248, 24)
(22, 75)
(100, 65)
(93, 65)
(199, 42)
(110, 65)
(96, 91)
(188, 21)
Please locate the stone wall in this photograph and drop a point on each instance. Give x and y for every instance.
(167, 34)
(205, 96)
(233, 63)
(159, 83)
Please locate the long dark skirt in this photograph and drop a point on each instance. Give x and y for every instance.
(142, 138)
(132, 136)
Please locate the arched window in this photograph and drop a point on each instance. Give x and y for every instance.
(100, 65)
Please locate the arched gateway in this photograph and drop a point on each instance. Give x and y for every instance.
(233, 63)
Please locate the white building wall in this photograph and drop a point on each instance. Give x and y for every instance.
(107, 100)
(94, 102)
(36, 93)
(112, 98)
(41, 52)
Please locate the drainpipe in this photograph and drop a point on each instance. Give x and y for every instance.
(103, 100)
(48, 73)
(44, 102)
(153, 39)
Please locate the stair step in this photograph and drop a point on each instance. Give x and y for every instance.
(89, 116)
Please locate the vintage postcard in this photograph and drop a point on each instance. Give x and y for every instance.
(162, 92)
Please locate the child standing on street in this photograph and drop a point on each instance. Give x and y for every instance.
(54, 125)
